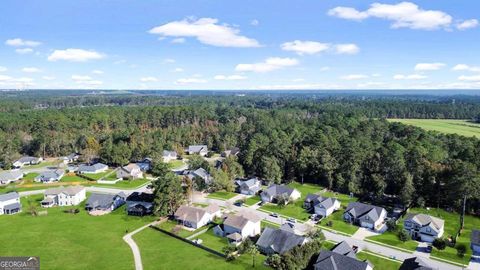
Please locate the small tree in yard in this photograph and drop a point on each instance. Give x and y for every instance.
(253, 250)
(439, 243)
(391, 225)
(32, 208)
(229, 252)
(403, 236)
(274, 261)
(461, 250)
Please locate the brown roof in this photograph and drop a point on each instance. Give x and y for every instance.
(190, 213)
(212, 208)
(240, 220)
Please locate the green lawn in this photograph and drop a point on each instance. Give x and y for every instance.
(30, 177)
(43, 164)
(222, 195)
(460, 127)
(125, 184)
(391, 238)
(338, 224)
(67, 241)
(252, 200)
(160, 251)
(379, 262)
(98, 176)
(73, 178)
(175, 164)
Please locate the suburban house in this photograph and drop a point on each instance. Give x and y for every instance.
(10, 203)
(291, 227)
(131, 171)
(231, 152)
(196, 217)
(26, 161)
(365, 215)
(145, 165)
(279, 241)
(237, 227)
(8, 177)
(273, 192)
(95, 168)
(63, 196)
(340, 257)
(169, 156)
(201, 150)
(248, 187)
(73, 157)
(50, 176)
(323, 206)
(475, 241)
(423, 227)
(201, 173)
(105, 202)
(140, 204)
(414, 263)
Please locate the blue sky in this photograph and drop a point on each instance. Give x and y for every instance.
(302, 44)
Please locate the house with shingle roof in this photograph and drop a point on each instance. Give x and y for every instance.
(245, 224)
(131, 171)
(323, 206)
(50, 176)
(105, 202)
(169, 156)
(273, 192)
(140, 204)
(8, 177)
(248, 186)
(279, 241)
(63, 196)
(201, 173)
(365, 215)
(10, 203)
(95, 168)
(414, 263)
(196, 217)
(340, 257)
(27, 160)
(423, 227)
(201, 150)
(73, 157)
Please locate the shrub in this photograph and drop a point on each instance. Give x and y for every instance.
(329, 223)
(461, 250)
(403, 236)
(391, 225)
(439, 244)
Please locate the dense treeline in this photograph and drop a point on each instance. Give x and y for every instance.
(343, 145)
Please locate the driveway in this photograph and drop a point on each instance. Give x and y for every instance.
(363, 233)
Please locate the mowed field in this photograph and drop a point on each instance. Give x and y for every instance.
(460, 127)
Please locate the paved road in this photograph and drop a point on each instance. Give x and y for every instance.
(91, 189)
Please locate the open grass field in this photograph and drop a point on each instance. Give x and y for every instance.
(252, 200)
(222, 195)
(169, 226)
(175, 164)
(160, 251)
(460, 127)
(68, 241)
(98, 176)
(391, 238)
(379, 262)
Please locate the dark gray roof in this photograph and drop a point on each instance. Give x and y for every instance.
(9, 196)
(475, 238)
(311, 197)
(275, 190)
(357, 210)
(414, 263)
(102, 200)
(426, 220)
(279, 240)
(12, 206)
(344, 249)
(329, 260)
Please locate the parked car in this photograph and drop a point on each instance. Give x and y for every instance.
(291, 220)
(428, 249)
(238, 203)
(275, 215)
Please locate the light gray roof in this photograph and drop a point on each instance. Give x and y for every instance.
(102, 200)
(201, 172)
(329, 260)
(167, 153)
(344, 249)
(357, 210)
(12, 206)
(275, 190)
(190, 213)
(240, 220)
(57, 174)
(414, 263)
(197, 148)
(426, 220)
(94, 167)
(279, 240)
(70, 190)
(325, 202)
(235, 236)
(10, 175)
(130, 167)
(27, 159)
(9, 196)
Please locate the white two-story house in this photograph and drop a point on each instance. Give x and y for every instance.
(423, 227)
(64, 196)
(10, 203)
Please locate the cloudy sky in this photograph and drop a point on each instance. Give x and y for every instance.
(247, 44)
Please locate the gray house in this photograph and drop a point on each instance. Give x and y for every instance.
(201, 150)
(50, 176)
(26, 161)
(340, 257)
(323, 206)
(365, 215)
(8, 177)
(201, 173)
(423, 227)
(140, 204)
(414, 263)
(95, 168)
(279, 241)
(248, 187)
(273, 192)
(105, 202)
(10, 203)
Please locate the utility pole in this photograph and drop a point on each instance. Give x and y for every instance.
(462, 218)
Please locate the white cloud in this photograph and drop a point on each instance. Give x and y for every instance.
(24, 50)
(48, 78)
(2, 69)
(230, 77)
(177, 70)
(347, 48)
(428, 66)
(190, 81)
(305, 47)
(148, 79)
(464, 67)
(270, 64)
(352, 77)
(402, 15)
(75, 55)
(254, 22)
(169, 61)
(91, 83)
(409, 77)
(81, 78)
(96, 71)
(18, 42)
(207, 31)
(467, 24)
(86, 80)
(178, 40)
(5, 78)
(31, 70)
(469, 78)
